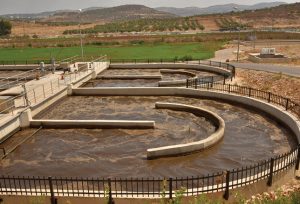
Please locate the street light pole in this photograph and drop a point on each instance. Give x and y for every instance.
(81, 44)
(239, 27)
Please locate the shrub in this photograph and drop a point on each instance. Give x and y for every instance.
(5, 27)
(186, 58)
(35, 36)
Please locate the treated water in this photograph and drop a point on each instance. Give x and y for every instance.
(249, 137)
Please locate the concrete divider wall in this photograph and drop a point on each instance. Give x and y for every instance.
(99, 67)
(206, 68)
(13, 123)
(37, 108)
(182, 149)
(130, 77)
(9, 127)
(105, 124)
(173, 83)
(170, 71)
(278, 113)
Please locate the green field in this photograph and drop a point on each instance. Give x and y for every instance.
(141, 51)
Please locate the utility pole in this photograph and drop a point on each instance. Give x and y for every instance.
(239, 40)
(81, 44)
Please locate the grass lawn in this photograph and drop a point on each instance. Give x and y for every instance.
(203, 50)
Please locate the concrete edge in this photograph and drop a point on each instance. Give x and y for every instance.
(35, 108)
(174, 82)
(201, 67)
(278, 113)
(170, 71)
(130, 77)
(93, 124)
(183, 149)
(9, 127)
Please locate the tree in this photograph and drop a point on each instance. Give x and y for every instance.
(5, 27)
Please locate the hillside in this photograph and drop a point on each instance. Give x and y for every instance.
(287, 16)
(119, 13)
(280, 17)
(191, 11)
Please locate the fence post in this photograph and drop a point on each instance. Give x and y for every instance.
(34, 95)
(170, 189)
(187, 83)
(270, 179)
(51, 87)
(53, 199)
(250, 92)
(287, 104)
(229, 88)
(298, 158)
(226, 194)
(269, 97)
(44, 91)
(110, 200)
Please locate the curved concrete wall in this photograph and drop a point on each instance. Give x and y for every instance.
(180, 82)
(172, 83)
(182, 149)
(130, 77)
(206, 68)
(170, 71)
(275, 111)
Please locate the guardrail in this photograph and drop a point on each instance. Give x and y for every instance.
(286, 103)
(22, 77)
(150, 187)
(39, 93)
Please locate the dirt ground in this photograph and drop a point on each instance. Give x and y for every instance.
(289, 49)
(276, 83)
(31, 28)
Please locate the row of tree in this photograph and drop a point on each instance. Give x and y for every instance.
(144, 25)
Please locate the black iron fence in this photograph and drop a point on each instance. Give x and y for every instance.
(226, 66)
(286, 103)
(47, 60)
(26, 62)
(150, 187)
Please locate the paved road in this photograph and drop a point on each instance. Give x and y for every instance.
(288, 70)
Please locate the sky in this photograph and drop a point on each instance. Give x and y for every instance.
(34, 6)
